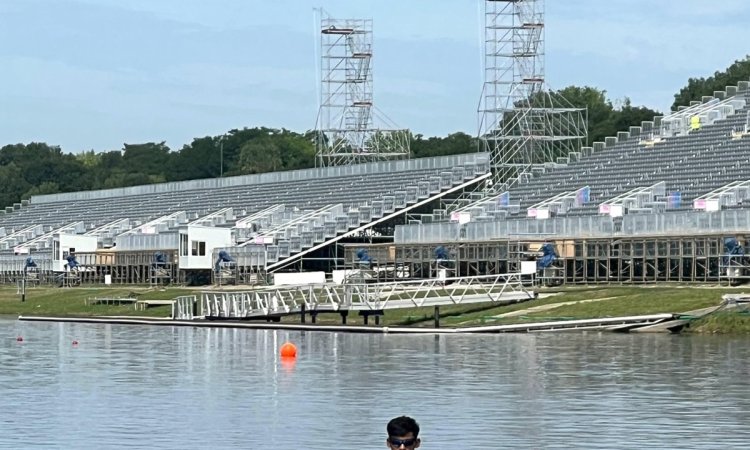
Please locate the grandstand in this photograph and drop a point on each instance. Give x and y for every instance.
(661, 202)
(666, 201)
(266, 221)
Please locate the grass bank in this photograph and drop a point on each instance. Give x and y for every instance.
(46, 301)
(566, 303)
(722, 323)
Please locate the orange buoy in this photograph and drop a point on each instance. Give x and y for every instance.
(288, 350)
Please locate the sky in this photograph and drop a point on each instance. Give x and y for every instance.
(94, 74)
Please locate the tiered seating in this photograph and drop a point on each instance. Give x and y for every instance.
(736, 193)
(692, 164)
(216, 218)
(153, 234)
(279, 214)
(279, 234)
(160, 224)
(9, 241)
(107, 233)
(304, 189)
(45, 241)
(640, 199)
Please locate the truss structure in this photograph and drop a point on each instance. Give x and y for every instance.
(522, 123)
(350, 129)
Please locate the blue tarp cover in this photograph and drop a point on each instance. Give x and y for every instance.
(549, 255)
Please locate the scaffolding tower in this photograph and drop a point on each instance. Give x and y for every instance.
(522, 124)
(350, 129)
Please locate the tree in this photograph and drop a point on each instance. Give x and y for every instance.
(698, 87)
(599, 109)
(233, 142)
(147, 159)
(260, 155)
(89, 159)
(630, 115)
(37, 163)
(119, 179)
(452, 144)
(603, 118)
(297, 151)
(48, 187)
(13, 185)
(38, 168)
(200, 159)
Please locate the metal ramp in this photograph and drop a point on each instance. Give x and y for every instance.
(281, 263)
(287, 300)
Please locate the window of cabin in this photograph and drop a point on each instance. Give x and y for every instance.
(198, 248)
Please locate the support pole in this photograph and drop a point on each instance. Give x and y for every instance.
(437, 316)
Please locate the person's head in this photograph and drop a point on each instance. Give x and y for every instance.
(403, 433)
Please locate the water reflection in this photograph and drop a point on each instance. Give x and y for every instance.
(164, 387)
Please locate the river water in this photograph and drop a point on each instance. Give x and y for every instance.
(192, 388)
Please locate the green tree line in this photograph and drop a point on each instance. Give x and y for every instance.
(698, 87)
(40, 168)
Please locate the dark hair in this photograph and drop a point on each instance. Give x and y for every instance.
(401, 426)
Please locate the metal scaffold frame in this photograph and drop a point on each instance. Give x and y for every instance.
(350, 129)
(522, 123)
(586, 260)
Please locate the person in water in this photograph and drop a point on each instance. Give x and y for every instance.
(403, 433)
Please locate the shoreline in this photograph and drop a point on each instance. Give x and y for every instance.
(561, 306)
(615, 324)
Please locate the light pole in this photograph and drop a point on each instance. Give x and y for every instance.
(221, 156)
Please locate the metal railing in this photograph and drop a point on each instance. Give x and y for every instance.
(271, 177)
(665, 224)
(283, 300)
(183, 307)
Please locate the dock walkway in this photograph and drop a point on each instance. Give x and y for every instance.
(373, 297)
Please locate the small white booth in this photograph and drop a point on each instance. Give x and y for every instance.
(64, 245)
(197, 244)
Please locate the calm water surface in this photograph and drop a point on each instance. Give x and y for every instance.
(184, 388)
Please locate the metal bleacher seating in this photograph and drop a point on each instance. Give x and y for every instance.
(281, 232)
(367, 189)
(693, 164)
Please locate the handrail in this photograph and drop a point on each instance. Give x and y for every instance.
(281, 300)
